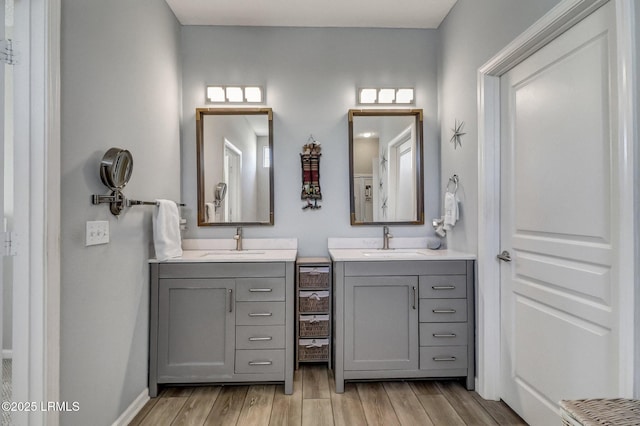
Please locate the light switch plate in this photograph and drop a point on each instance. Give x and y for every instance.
(97, 232)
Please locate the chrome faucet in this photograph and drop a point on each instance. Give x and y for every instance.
(238, 238)
(385, 238)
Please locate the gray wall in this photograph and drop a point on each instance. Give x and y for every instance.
(311, 76)
(472, 33)
(120, 87)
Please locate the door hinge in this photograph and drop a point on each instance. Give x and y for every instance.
(9, 246)
(7, 54)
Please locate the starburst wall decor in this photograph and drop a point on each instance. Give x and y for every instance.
(456, 139)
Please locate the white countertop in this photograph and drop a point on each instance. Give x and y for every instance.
(407, 248)
(378, 255)
(222, 250)
(226, 256)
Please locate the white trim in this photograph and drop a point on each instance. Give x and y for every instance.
(52, 215)
(22, 374)
(488, 291)
(550, 26)
(37, 174)
(7, 354)
(628, 172)
(132, 410)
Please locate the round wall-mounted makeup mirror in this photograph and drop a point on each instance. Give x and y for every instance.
(115, 168)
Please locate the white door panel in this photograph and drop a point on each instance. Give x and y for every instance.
(559, 316)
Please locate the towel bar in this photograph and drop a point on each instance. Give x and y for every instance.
(147, 203)
(117, 202)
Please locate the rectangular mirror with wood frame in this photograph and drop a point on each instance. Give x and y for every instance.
(234, 166)
(386, 173)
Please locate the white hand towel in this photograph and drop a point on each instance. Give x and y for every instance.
(451, 212)
(166, 230)
(210, 210)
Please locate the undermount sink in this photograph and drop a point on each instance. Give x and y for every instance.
(394, 253)
(232, 252)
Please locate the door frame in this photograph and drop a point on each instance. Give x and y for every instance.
(37, 166)
(562, 17)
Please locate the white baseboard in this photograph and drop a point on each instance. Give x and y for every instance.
(131, 411)
(7, 353)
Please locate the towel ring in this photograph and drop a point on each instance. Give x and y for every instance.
(453, 179)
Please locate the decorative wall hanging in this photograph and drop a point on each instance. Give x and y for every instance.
(310, 160)
(456, 139)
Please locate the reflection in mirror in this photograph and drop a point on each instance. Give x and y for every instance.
(385, 167)
(235, 177)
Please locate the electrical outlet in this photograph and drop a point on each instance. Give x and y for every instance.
(97, 232)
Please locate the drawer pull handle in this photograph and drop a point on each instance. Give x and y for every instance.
(260, 339)
(260, 290)
(443, 287)
(444, 358)
(261, 314)
(444, 311)
(260, 362)
(444, 335)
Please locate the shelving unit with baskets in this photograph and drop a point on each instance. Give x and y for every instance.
(313, 310)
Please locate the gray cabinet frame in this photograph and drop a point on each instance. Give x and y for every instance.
(209, 275)
(343, 273)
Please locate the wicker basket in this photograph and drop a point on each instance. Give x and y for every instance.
(314, 325)
(313, 349)
(600, 412)
(314, 301)
(314, 277)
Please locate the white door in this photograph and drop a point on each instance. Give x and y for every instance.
(558, 169)
(401, 176)
(232, 177)
(406, 195)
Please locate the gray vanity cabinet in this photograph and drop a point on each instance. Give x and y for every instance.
(221, 323)
(402, 319)
(381, 323)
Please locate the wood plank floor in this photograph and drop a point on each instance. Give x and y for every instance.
(315, 403)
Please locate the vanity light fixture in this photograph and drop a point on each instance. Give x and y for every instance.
(234, 94)
(386, 96)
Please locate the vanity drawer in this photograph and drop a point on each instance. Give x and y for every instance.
(443, 357)
(260, 337)
(443, 310)
(443, 333)
(443, 286)
(260, 313)
(257, 289)
(260, 361)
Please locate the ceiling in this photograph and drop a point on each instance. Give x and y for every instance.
(305, 13)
